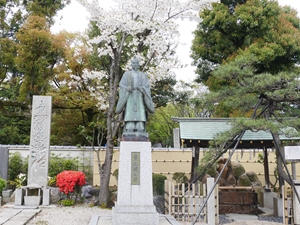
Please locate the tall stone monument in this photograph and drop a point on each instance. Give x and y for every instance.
(39, 149)
(135, 192)
(39, 152)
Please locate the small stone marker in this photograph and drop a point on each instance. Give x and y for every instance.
(3, 162)
(39, 149)
(292, 153)
(176, 138)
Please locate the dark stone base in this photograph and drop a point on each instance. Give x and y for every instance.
(135, 136)
(238, 202)
(239, 209)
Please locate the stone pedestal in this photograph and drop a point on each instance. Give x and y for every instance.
(19, 196)
(278, 207)
(135, 195)
(46, 196)
(268, 199)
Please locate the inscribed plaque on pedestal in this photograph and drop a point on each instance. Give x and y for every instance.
(135, 168)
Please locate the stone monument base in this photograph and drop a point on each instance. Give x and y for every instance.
(142, 215)
(135, 193)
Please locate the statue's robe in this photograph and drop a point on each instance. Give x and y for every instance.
(135, 102)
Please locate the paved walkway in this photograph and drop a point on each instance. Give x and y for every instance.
(17, 216)
(107, 220)
(22, 215)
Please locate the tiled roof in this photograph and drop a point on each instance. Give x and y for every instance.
(207, 128)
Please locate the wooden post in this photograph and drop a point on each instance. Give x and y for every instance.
(195, 163)
(266, 170)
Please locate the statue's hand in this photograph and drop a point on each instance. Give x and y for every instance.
(129, 89)
(142, 90)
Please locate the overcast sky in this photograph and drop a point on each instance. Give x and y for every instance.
(74, 17)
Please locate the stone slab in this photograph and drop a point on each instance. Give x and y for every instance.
(6, 194)
(19, 196)
(268, 199)
(7, 214)
(23, 217)
(4, 162)
(278, 207)
(32, 200)
(107, 220)
(141, 218)
(39, 150)
(46, 196)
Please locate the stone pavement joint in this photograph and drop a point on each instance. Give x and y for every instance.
(17, 216)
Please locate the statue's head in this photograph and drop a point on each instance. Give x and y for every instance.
(135, 63)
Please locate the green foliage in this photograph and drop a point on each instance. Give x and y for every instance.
(116, 174)
(163, 91)
(180, 178)
(38, 52)
(246, 51)
(160, 126)
(258, 27)
(57, 164)
(64, 127)
(158, 182)
(19, 181)
(103, 206)
(67, 202)
(15, 166)
(207, 164)
(244, 180)
(52, 181)
(2, 185)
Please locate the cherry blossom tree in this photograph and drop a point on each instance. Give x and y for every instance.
(147, 29)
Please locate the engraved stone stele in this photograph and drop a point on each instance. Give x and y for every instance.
(135, 192)
(39, 152)
(176, 137)
(3, 162)
(39, 149)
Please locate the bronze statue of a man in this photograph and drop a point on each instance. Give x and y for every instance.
(135, 100)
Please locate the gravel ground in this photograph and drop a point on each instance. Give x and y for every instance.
(77, 215)
(81, 215)
(224, 220)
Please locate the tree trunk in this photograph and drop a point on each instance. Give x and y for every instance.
(104, 194)
(281, 173)
(112, 126)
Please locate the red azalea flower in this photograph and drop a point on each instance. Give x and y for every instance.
(67, 180)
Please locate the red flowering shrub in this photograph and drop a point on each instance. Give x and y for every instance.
(68, 181)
